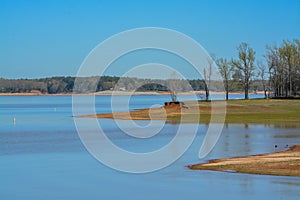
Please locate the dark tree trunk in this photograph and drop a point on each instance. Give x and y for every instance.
(246, 91)
(266, 96)
(206, 92)
(227, 89)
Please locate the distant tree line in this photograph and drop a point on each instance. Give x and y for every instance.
(55, 85)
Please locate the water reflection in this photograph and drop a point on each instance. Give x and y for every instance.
(42, 152)
(238, 140)
(293, 183)
(287, 125)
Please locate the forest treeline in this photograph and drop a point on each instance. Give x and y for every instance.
(277, 73)
(55, 85)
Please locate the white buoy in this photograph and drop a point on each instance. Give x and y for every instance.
(15, 120)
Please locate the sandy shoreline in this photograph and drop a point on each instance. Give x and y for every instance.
(283, 163)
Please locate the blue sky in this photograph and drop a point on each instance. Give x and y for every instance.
(52, 38)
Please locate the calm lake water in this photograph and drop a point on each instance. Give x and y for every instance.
(42, 157)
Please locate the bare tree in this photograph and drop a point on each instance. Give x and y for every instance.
(275, 70)
(172, 86)
(207, 79)
(226, 71)
(288, 53)
(262, 69)
(245, 65)
(297, 70)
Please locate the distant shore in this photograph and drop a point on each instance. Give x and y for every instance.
(116, 93)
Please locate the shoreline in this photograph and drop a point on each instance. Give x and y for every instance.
(120, 93)
(262, 111)
(281, 163)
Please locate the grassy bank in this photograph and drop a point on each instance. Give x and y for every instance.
(285, 163)
(255, 111)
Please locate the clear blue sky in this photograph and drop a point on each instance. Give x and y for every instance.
(52, 37)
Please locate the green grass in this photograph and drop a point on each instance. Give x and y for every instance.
(257, 111)
(254, 111)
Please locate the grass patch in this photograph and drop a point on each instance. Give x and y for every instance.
(255, 111)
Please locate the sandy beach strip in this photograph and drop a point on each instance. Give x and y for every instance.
(283, 163)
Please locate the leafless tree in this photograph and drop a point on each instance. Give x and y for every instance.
(245, 66)
(262, 69)
(284, 68)
(207, 78)
(226, 70)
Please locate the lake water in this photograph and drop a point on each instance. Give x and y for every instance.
(42, 157)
